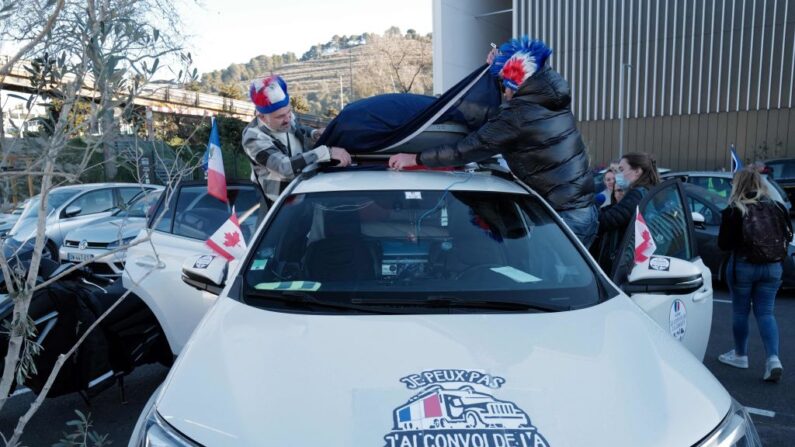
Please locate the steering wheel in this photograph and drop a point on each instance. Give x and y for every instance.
(481, 268)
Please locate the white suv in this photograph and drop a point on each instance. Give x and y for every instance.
(444, 308)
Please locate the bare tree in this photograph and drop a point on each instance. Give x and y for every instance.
(405, 57)
(103, 52)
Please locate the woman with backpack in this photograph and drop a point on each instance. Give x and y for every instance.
(757, 230)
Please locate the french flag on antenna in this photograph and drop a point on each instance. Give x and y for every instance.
(214, 164)
(736, 163)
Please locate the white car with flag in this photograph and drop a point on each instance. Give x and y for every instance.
(446, 308)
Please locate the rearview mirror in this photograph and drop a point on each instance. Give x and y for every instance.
(699, 221)
(662, 274)
(72, 210)
(205, 272)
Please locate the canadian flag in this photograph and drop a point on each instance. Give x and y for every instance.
(214, 164)
(644, 243)
(228, 240)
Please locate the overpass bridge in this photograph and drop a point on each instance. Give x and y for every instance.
(157, 98)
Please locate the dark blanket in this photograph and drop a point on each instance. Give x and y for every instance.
(376, 123)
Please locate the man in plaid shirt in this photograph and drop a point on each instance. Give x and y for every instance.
(276, 145)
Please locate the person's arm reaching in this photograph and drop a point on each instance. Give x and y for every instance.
(491, 139)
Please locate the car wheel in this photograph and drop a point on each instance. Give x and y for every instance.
(50, 252)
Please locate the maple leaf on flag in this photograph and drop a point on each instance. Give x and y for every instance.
(231, 239)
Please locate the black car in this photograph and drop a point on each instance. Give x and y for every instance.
(710, 205)
(783, 171)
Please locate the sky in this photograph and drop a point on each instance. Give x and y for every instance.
(222, 32)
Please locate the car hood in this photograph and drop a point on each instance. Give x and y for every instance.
(606, 375)
(108, 229)
(25, 229)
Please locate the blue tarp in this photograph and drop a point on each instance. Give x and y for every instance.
(376, 123)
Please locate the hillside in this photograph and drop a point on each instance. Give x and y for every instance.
(360, 66)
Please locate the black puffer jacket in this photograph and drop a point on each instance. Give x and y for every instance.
(537, 134)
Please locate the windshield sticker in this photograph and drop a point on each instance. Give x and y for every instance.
(305, 286)
(413, 195)
(677, 320)
(515, 274)
(259, 264)
(455, 407)
(203, 261)
(659, 263)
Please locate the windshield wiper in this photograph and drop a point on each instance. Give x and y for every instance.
(303, 299)
(457, 302)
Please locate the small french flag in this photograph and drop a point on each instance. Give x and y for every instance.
(214, 164)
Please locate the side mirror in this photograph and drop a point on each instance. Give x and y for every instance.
(661, 274)
(72, 210)
(205, 272)
(699, 221)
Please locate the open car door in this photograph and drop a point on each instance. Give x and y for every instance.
(674, 286)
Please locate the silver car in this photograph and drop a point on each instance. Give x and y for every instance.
(720, 183)
(104, 235)
(70, 207)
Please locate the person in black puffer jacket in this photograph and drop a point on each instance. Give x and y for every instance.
(639, 173)
(534, 131)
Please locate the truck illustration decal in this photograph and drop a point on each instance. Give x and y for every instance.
(451, 408)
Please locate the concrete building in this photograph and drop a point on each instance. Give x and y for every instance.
(697, 75)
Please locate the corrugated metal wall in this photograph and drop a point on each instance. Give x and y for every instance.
(704, 74)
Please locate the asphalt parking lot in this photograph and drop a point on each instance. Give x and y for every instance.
(772, 405)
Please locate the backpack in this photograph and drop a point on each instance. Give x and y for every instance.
(765, 234)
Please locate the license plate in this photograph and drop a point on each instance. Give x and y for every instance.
(79, 257)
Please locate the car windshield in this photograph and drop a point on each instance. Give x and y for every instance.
(777, 193)
(140, 207)
(418, 248)
(54, 200)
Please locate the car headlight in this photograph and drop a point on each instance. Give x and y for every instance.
(736, 429)
(121, 242)
(155, 432)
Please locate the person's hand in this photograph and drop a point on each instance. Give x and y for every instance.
(401, 161)
(490, 57)
(341, 155)
(317, 133)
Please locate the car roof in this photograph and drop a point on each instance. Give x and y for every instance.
(721, 174)
(385, 180)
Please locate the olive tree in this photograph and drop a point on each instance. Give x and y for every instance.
(103, 53)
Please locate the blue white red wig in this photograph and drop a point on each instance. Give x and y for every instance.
(269, 94)
(518, 59)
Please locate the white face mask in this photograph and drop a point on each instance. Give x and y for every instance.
(621, 181)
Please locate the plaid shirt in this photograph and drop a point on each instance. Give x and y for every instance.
(272, 164)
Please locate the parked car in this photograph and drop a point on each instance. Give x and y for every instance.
(435, 305)
(7, 220)
(783, 171)
(104, 235)
(709, 205)
(70, 207)
(128, 337)
(721, 183)
(188, 220)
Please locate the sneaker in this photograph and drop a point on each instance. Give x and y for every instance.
(773, 369)
(737, 361)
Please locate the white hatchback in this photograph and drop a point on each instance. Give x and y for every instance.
(445, 309)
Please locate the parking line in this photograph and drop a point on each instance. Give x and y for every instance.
(722, 301)
(758, 412)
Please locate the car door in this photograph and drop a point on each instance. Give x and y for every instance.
(706, 234)
(192, 216)
(93, 205)
(687, 316)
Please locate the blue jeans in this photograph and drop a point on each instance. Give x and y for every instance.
(584, 223)
(754, 284)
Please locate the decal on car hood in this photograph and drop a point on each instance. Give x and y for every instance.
(456, 407)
